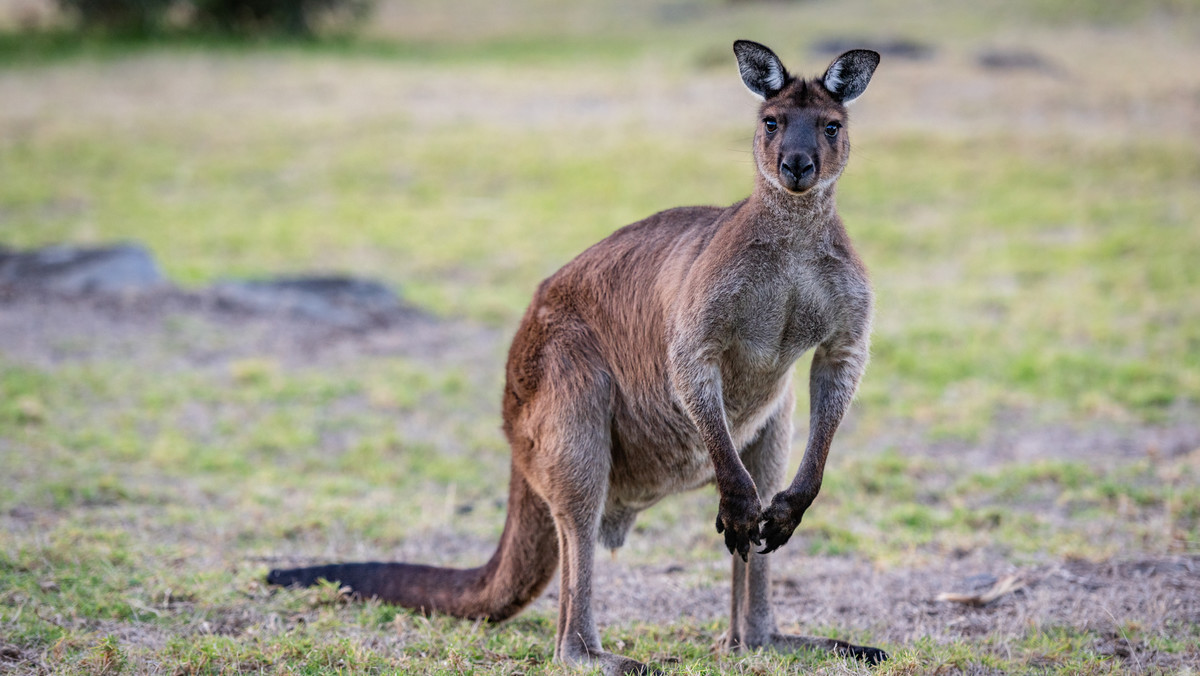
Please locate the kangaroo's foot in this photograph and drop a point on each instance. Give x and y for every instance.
(609, 664)
(791, 643)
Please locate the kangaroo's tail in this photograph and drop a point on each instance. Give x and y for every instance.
(517, 573)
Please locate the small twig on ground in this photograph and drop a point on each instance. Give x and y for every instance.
(1005, 585)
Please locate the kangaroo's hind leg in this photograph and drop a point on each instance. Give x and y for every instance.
(752, 622)
(751, 615)
(569, 465)
(578, 639)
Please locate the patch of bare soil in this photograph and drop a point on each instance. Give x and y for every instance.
(900, 606)
(173, 329)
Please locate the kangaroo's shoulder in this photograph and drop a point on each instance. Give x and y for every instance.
(661, 230)
(609, 288)
(635, 253)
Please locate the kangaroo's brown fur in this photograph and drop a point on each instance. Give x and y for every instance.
(660, 360)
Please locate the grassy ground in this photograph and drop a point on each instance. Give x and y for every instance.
(1030, 408)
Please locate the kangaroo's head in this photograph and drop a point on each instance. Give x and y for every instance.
(801, 141)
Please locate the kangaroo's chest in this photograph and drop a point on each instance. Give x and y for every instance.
(778, 321)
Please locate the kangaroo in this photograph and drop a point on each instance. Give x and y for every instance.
(660, 360)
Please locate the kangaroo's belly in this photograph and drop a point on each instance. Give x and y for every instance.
(658, 451)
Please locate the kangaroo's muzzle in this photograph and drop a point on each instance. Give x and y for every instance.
(797, 172)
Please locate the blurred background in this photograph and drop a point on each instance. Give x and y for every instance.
(1024, 186)
(1023, 183)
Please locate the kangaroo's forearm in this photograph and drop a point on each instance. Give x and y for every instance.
(731, 475)
(697, 381)
(834, 377)
(833, 380)
(699, 386)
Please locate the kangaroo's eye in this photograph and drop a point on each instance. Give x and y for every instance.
(831, 129)
(770, 124)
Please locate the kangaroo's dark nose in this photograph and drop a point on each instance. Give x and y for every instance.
(797, 172)
(798, 167)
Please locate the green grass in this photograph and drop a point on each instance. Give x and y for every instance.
(142, 520)
(1055, 279)
(1048, 277)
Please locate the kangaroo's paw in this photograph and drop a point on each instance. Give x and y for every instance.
(782, 516)
(737, 517)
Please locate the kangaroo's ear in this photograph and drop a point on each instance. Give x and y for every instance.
(761, 70)
(849, 74)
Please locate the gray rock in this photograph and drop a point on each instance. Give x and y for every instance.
(344, 302)
(112, 272)
(79, 270)
(1014, 60)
